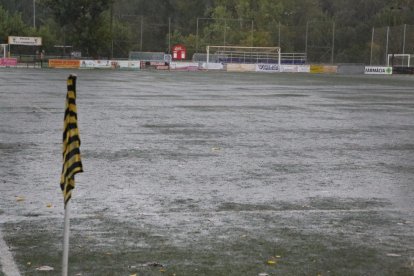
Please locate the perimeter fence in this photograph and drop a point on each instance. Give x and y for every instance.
(321, 41)
(391, 40)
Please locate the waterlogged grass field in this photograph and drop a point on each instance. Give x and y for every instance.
(190, 173)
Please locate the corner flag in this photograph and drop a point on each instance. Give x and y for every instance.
(71, 142)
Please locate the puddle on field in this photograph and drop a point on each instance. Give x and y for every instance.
(196, 172)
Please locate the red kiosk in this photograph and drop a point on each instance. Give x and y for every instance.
(179, 52)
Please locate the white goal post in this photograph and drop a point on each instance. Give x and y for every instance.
(242, 54)
(3, 50)
(399, 60)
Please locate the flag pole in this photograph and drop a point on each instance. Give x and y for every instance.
(72, 163)
(65, 259)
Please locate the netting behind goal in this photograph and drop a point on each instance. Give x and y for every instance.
(240, 54)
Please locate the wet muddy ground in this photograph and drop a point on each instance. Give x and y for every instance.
(211, 173)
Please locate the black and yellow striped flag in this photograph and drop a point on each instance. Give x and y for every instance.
(72, 163)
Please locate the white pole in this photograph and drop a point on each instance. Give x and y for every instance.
(208, 56)
(386, 47)
(372, 44)
(280, 58)
(403, 47)
(65, 259)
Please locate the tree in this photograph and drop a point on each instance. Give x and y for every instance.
(11, 24)
(83, 23)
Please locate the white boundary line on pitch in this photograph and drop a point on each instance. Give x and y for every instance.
(8, 266)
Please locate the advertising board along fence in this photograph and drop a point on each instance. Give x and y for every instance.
(378, 70)
(8, 62)
(323, 69)
(268, 68)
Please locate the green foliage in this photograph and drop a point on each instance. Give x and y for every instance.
(106, 28)
(83, 23)
(11, 24)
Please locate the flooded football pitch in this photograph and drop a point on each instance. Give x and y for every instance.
(211, 173)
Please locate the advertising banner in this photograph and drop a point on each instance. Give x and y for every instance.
(269, 68)
(64, 63)
(212, 66)
(184, 66)
(8, 61)
(126, 64)
(238, 67)
(351, 69)
(321, 69)
(289, 68)
(316, 69)
(303, 68)
(378, 70)
(96, 64)
(25, 40)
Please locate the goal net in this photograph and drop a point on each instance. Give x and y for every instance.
(241, 54)
(402, 60)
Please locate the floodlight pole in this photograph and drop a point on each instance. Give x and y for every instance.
(224, 33)
(251, 45)
(372, 44)
(403, 47)
(333, 42)
(111, 27)
(142, 22)
(169, 35)
(306, 38)
(279, 33)
(34, 14)
(386, 46)
(197, 37)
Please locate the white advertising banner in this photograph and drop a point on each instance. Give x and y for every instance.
(378, 70)
(270, 68)
(25, 40)
(238, 67)
(304, 68)
(190, 66)
(289, 68)
(212, 66)
(98, 64)
(126, 64)
(110, 64)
